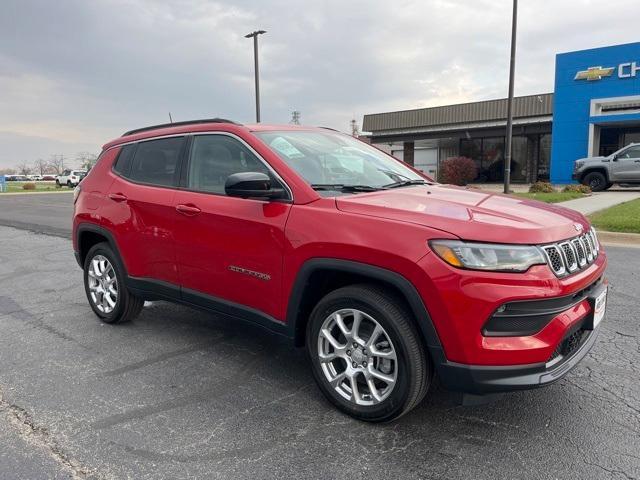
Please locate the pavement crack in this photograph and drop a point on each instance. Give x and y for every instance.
(40, 437)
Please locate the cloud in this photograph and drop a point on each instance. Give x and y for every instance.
(80, 73)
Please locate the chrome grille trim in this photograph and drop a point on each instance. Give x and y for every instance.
(582, 255)
(554, 257)
(570, 260)
(572, 255)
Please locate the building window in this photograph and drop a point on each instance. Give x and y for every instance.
(544, 156)
(520, 154)
(472, 148)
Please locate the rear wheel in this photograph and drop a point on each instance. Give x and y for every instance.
(104, 282)
(366, 355)
(596, 181)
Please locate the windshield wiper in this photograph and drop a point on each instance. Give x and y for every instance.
(340, 187)
(404, 183)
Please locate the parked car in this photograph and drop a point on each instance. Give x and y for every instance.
(35, 178)
(600, 173)
(49, 178)
(384, 276)
(16, 178)
(70, 178)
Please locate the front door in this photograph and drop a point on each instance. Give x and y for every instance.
(626, 166)
(228, 249)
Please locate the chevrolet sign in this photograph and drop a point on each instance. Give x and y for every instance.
(625, 70)
(594, 73)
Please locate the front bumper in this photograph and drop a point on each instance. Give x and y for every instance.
(480, 379)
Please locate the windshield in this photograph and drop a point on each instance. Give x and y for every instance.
(327, 159)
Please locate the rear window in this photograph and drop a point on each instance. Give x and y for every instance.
(156, 161)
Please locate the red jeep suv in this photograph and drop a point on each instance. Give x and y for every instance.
(385, 276)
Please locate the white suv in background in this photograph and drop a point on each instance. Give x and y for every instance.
(70, 178)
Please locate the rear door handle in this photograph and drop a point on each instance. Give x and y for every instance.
(118, 197)
(188, 210)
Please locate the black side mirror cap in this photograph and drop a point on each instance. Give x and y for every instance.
(252, 185)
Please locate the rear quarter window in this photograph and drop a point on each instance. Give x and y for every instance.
(123, 162)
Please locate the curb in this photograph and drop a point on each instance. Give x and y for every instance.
(619, 239)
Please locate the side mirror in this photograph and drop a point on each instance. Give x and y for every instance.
(252, 185)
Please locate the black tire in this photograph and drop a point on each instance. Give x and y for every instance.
(58, 184)
(127, 306)
(596, 181)
(414, 369)
(69, 184)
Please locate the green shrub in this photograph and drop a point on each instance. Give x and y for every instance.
(541, 187)
(578, 188)
(29, 186)
(458, 170)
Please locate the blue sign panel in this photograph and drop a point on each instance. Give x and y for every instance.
(595, 90)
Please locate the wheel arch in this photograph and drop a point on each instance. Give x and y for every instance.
(319, 276)
(88, 235)
(589, 170)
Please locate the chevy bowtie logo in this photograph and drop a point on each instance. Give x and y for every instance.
(594, 73)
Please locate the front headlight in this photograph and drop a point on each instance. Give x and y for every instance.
(488, 256)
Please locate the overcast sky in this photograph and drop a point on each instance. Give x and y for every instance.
(74, 74)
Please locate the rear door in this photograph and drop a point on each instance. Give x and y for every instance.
(227, 248)
(626, 166)
(140, 207)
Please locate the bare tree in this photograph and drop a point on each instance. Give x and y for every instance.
(56, 164)
(40, 166)
(86, 160)
(24, 168)
(7, 171)
(355, 131)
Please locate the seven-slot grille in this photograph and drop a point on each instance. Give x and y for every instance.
(572, 255)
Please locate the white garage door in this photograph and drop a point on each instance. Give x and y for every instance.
(424, 159)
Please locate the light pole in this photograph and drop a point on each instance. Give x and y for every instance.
(512, 68)
(254, 35)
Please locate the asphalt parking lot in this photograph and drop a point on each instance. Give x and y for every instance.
(183, 394)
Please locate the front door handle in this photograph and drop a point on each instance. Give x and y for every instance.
(188, 210)
(118, 197)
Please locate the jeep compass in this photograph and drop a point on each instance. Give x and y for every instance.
(384, 276)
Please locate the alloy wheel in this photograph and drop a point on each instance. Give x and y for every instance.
(357, 357)
(103, 284)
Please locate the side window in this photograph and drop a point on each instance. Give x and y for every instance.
(156, 161)
(215, 157)
(633, 152)
(65, 173)
(123, 162)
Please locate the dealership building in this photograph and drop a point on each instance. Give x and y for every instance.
(594, 110)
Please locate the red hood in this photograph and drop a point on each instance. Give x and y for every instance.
(470, 214)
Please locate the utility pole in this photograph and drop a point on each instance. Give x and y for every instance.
(512, 69)
(254, 35)
(295, 117)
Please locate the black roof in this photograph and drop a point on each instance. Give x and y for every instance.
(178, 124)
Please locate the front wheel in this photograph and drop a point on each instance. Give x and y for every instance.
(104, 283)
(596, 181)
(366, 354)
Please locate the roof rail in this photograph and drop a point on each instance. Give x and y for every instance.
(178, 124)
